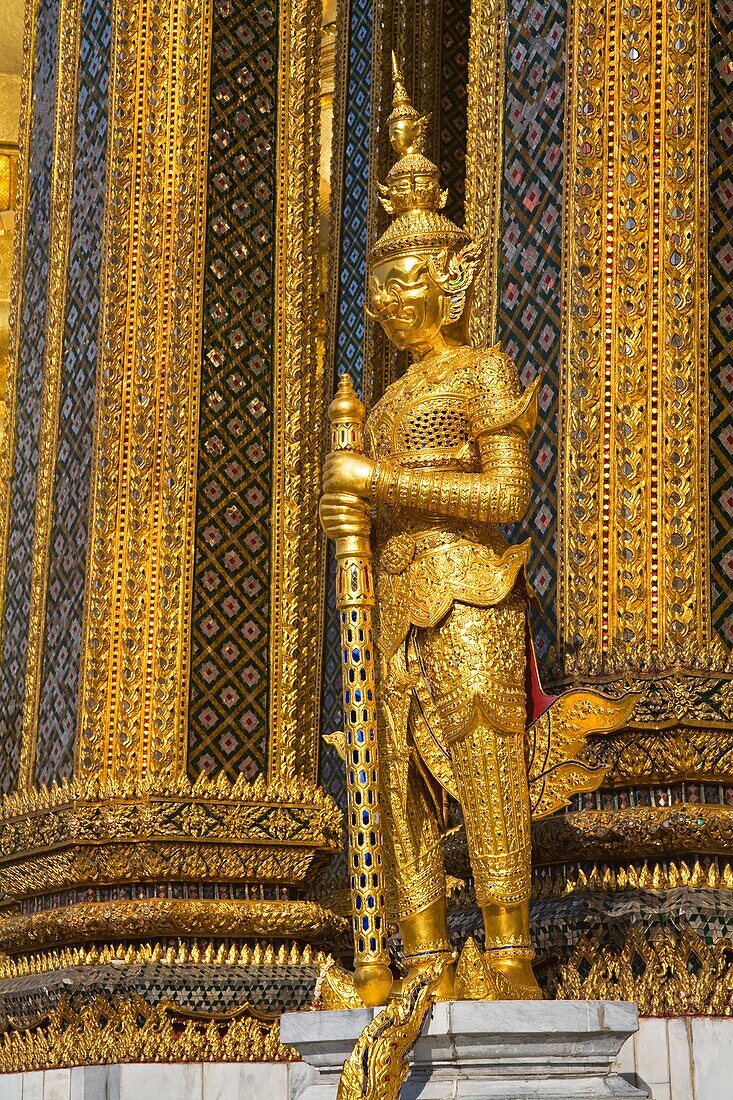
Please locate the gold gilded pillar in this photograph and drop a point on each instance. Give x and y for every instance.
(634, 596)
(627, 460)
(129, 810)
(634, 590)
(297, 550)
(114, 850)
(133, 721)
(485, 153)
(634, 576)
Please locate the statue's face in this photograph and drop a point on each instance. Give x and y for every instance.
(405, 134)
(407, 302)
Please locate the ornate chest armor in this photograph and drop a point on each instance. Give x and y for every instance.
(452, 443)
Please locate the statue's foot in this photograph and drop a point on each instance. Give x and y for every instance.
(444, 990)
(514, 970)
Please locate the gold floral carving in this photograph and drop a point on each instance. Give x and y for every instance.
(484, 153)
(105, 1032)
(633, 593)
(664, 756)
(297, 547)
(62, 180)
(665, 976)
(141, 919)
(7, 452)
(638, 832)
(165, 829)
(136, 631)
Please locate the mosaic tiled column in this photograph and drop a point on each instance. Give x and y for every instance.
(643, 865)
(162, 601)
(614, 209)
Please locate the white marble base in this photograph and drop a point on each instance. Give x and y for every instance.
(675, 1059)
(486, 1050)
(243, 1081)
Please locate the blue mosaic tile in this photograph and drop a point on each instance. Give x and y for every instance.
(28, 397)
(529, 314)
(67, 567)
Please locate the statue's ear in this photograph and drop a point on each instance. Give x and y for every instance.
(383, 194)
(470, 258)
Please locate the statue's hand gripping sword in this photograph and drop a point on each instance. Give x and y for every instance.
(355, 603)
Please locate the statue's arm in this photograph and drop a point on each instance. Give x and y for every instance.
(500, 493)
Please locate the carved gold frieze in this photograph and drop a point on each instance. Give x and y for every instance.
(164, 830)
(141, 919)
(183, 954)
(82, 865)
(636, 832)
(658, 876)
(105, 1033)
(665, 976)
(634, 569)
(664, 756)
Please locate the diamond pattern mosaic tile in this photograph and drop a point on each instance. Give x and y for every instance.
(67, 569)
(531, 265)
(454, 104)
(28, 398)
(558, 923)
(349, 340)
(721, 317)
(350, 336)
(204, 989)
(229, 661)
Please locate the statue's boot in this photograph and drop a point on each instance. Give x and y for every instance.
(425, 939)
(509, 950)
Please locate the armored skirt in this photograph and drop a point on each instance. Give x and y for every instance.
(454, 715)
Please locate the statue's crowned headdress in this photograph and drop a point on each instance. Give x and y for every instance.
(412, 194)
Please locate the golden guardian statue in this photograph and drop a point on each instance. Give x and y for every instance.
(461, 713)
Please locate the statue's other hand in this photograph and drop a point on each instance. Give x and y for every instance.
(344, 514)
(347, 472)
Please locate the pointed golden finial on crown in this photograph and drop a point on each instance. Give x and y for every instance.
(406, 125)
(412, 191)
(413, 183)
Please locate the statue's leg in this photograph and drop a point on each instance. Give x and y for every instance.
(418, 874)
(475, 664)
(412, 834)
(491, 778)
